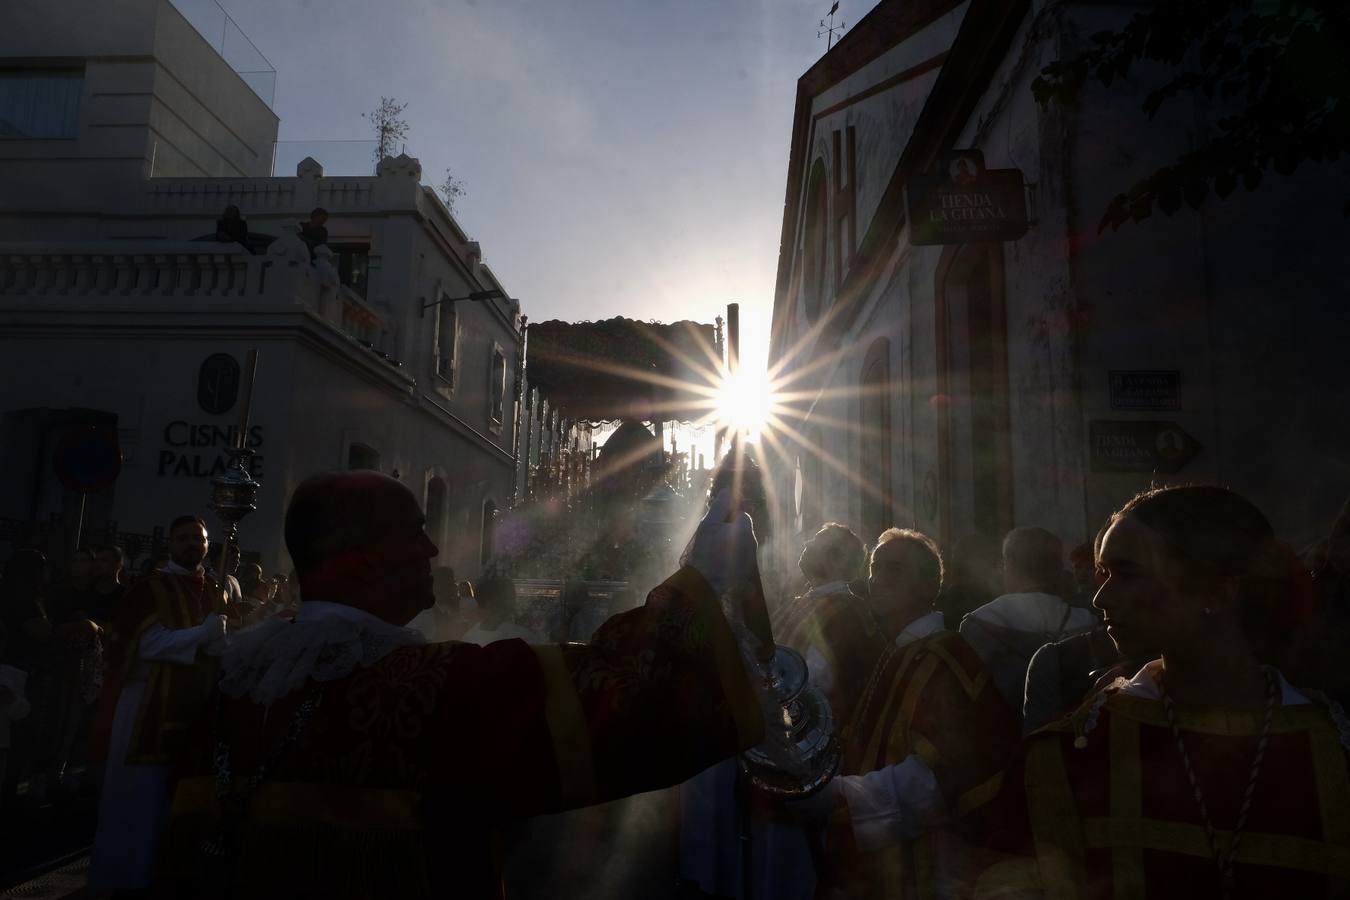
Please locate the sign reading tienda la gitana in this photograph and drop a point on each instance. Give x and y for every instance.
(963, 202)
(1133, 445)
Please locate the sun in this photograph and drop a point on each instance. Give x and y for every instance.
(745, 402)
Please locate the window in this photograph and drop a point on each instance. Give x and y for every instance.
(353, 265)
(360, 456)
(497, 387)
(845, 200)
(816, 242)
(40, 103)
(875, 438)
(447, 334)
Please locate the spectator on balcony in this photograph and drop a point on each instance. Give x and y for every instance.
(315, 231)
(232, 228)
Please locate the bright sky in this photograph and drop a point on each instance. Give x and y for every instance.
(621, 156)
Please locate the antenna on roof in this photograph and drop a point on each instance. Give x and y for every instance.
(828, 31)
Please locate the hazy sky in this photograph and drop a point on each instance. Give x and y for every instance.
(621, 156)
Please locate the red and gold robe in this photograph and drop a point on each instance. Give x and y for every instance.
(175, 694)
(1098, 805)
(932, 698)
(394, 786)
(843, 631)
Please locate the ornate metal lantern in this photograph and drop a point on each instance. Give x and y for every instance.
(799, 753)
(233, 495)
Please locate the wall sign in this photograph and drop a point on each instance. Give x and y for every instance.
(191, 449)
(1139, 446)
(1145, 390)
(966, 203)
(218, 383)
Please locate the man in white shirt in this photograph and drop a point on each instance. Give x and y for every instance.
(497, 598)
(1007, 631)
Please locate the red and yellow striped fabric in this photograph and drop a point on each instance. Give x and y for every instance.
(1099, 806)
(842, 630)
(448, 740)
(932, 698)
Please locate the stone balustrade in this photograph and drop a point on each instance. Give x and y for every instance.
(116, 269)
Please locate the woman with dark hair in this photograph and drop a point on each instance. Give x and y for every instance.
(1206, 774)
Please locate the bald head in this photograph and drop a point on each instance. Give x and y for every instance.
(359, 534)
(1033, 560)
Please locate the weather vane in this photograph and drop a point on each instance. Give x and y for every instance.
(828, 31)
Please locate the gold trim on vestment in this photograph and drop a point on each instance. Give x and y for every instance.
(342, 806)
(1223, 722)
(1054, 820)
(1256, 849)
(1127, 788)
(979, 795)
(890, 698)
(568, 727)
(1333, 785)
(1009, 878)
(972, 686)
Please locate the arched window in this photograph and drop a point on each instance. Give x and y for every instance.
(361, 456)
(878, 507)
(816, 242)
(489, 531)
(436, 496)
(974, 434)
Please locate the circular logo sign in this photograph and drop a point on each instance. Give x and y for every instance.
(218, 383)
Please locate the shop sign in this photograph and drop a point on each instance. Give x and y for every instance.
(1139, 446)
(966, 203)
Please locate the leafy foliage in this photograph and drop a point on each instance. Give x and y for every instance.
(1278, 66)
(391, 129)
(451, 189)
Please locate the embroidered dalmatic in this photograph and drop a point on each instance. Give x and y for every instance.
(1098, 805)
(393, 785)
(932, 699)
(174, 694)
(834, 631)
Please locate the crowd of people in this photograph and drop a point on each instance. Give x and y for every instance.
(1153, 714)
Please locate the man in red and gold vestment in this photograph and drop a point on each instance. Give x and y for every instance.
(829, 625)
(1205, 775)
(349, 758)
(930, 726)
(159, 674)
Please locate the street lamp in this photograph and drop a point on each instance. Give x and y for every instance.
(474, 296)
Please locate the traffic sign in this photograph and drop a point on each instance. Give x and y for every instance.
(88, 459)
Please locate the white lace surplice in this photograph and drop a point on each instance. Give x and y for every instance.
(326, 642)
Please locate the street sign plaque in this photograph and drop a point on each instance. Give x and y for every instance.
(1139, 446)
(1145, 390)
(966, 203)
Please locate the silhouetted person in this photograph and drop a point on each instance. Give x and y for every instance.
(1007, 631)
(315, 231)
(232, 228)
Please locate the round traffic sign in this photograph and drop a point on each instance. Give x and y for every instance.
(87, 459)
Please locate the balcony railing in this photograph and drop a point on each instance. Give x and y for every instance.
(195, 270)
(171, 270)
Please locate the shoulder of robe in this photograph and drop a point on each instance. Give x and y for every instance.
(957, 656)
(1334, 710)
(1083, 720)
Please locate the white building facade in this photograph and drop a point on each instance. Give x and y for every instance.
(119, 310)
(974, 387)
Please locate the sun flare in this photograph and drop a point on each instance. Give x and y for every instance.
(745, 402)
